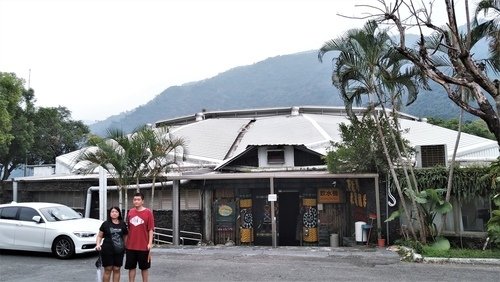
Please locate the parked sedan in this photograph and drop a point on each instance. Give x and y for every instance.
(46, 227)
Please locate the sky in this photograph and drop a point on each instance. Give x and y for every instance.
(99, 58)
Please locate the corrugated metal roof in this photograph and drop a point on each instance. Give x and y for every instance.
(210, 138)
(290, 130)
(215, 140)
(422, 133)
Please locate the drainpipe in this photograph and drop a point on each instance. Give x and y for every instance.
(175, 213)
(14, 190)
(377, 205)
(273, 216)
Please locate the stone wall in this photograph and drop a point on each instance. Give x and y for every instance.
(188, 220)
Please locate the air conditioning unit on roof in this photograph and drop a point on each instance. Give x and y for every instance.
(431, 155)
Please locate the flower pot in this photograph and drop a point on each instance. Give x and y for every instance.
(381, 242)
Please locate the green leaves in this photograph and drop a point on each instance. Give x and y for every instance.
(467, 181)
(441, 244)
(393, 216)
(16, 122)
(493, 225)
(55, 134)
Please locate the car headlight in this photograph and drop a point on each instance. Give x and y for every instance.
(84, 234)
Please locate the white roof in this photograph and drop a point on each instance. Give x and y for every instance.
(215, 137)
(220, 136)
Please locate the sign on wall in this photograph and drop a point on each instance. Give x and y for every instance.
(329, 196)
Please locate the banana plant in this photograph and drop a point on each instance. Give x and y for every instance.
(493, 225)
(430, 203)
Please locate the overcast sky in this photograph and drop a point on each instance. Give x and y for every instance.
(103, 57)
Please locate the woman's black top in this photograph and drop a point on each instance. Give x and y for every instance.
(113, 237)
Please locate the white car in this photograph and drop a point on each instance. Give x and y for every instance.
(46, 227)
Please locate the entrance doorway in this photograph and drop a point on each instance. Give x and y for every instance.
(288, 213)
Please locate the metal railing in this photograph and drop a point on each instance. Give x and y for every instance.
(165, 236)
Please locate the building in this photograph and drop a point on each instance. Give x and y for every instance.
(257, 176)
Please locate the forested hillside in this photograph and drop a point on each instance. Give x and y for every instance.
(288, 80)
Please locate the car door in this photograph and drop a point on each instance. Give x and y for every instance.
(8, 225)
(30, 235)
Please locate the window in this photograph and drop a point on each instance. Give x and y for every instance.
(468, 216)
(8, 213)
(27, 214)
(475, 214)
(275, 156)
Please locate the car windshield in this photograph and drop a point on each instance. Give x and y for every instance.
(59, 213)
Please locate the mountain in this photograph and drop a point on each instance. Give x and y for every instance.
(287, 80)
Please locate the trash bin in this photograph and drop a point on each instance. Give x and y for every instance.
(359, 232)
(334, 240)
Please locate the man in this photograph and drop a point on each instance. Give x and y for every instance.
(140, 223)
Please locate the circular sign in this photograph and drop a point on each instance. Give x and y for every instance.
(310, 218)
(225, 210)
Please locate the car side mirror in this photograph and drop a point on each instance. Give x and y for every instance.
(37, 219)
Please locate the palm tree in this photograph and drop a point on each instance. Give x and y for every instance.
(489, 29)
(111, 153)
(138, 154)
(164, 151)
(367, 65)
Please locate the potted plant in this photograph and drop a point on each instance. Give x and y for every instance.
(380, 238)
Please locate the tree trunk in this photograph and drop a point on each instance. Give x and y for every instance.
(412, 182)
(120, 197)
(126, 203)
(394, 175)
(451, 170)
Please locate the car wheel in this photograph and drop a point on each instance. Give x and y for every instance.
(63, 247)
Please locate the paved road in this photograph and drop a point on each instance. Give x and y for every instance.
(251, 264)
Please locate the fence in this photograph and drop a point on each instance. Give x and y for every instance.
(165, 236)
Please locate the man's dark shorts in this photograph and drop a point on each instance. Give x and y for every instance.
(137, 257)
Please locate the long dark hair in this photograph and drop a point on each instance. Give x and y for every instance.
(120, 218)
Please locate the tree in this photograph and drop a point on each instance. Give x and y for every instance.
(489, 29)
(473, 74)
(16, 126)
(164, 151)
(476, 127)
(368, 65)
(360, 149)
(55, 134)
(144, 152)
(493, 225)
(113, 154)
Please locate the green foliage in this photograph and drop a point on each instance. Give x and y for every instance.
(128, 157)
(441, 244)
(430, 202)
(493, 177)
(16, 122)
(415, 245)
(475, 127)
(428, 251)
(493, 225)
(393, 216)
(55, 134)
(361, 149)
(11, 89)
(468, 182)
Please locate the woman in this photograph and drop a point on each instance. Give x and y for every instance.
(112, 248)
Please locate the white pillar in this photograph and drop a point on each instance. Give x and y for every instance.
(14, 191)
(175, 212)
(103, 187)
(273, 215)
